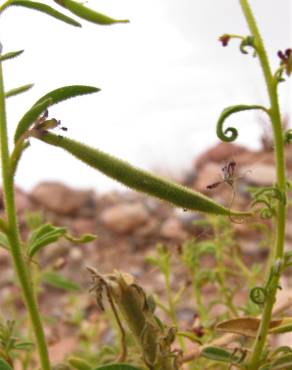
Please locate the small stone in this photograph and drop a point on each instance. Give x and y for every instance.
(260, 174)
(172, 229)
(124, 218)
(62, 199)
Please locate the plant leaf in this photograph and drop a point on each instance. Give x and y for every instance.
(117, 366)
(10, 55)
(51, 98)
(79, 363)
(247, 326)
(47, 10)
(4, 365)
(4, 242)
(29, 118)
(50, 237)
(85, 238)
(138, 179)
(67, 92)
(88, 14)
(230, 134)
(58, 281)
(219, 354)
(18, 90)
(284, 362)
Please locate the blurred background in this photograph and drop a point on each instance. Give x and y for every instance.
(165, 79)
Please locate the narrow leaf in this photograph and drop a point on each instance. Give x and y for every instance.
(88, 14)
(138, 179)
(18, 90)
(230, 134)
(247, 326)
(51, 98)
(45, 240)
(47, 10)
(219, 354)
(79, 363)
(67, 92)
(39, 232)
(4, 241)
(10, 55)
(117, 366)
(284, 362)
(29, 118)
(4, 365)
(86, 238)
(58, 281)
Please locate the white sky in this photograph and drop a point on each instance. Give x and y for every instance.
(164, 78)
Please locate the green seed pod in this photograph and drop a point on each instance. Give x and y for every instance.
(138, 179)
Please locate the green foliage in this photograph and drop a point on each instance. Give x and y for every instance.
(117, 367)
(150, 340)
(45, 9)
(18, 90)
(51, 98)
(58, 281)
(88, 14)
(10, 55)
(4, 365)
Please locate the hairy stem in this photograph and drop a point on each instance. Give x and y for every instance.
(278, 249)
(13, 236)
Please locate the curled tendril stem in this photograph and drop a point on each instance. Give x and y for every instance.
(230, 134)
(271, 191)
(258, 295)
(266, 212)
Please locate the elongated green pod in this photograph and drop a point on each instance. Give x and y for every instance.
(230, 134)
(47, 10)
(51, 98)
(10, 55)
(18, 90)
(138, 179)
(88, 14)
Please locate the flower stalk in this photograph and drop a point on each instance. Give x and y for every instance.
(278, 249)
(14, 238)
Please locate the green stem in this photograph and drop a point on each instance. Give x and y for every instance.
(13, 236)
(278, 249)
(171, 306)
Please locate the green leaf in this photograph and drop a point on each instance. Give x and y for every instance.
(4, 242)
(67, 92)
(284, 362)
(47, 10)
(88, 14)
(230, 134)
(10, 55)
(79, 363)
(39, 232)
(4, 365)
(18, 90)
(117, 366)
(219, 354)
(51, 98)
(29, 118)
(85, 238)
(140, 180)
(50, 237)
(58, 281)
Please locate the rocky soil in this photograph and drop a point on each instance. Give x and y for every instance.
(128, 226)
